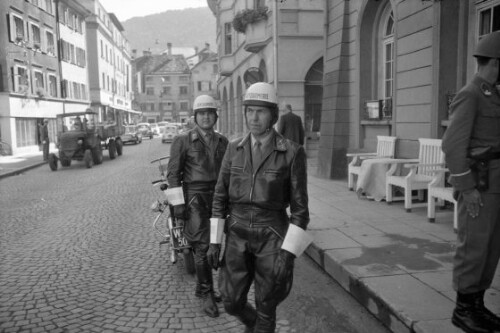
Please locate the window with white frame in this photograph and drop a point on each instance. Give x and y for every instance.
(36, 39)
(52, 85)
(50, 44)
(26, 132)
(76, 91)
(150, 91)
(39, 81)
(17, 32)
(183, 90)
(48, 6)
(166, 90)
(488, 18)
(388, 56)
(20, 79)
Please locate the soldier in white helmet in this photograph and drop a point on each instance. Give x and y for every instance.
(262, 174)
(195, 160)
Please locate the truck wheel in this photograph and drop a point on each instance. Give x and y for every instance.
(97, 154)
(119, 147)
(112, 150)
(87, 157)
(53, 162)
(188, 261)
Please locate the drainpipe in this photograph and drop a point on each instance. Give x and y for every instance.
(59, 60)
(275, 45)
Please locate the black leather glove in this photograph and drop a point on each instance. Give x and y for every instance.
(283, 266)
(213, 255)
(180, 212)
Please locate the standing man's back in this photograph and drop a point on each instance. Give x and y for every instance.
(290, 126)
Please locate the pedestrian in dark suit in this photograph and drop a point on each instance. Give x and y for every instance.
(472, 147)
(290, 126)
(44, 139)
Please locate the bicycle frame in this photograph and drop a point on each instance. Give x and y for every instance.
(174, 235)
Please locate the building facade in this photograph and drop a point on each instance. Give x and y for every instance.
(163, 88)
(109, 59)
(40, 79)
(282, 44)
(391, 68)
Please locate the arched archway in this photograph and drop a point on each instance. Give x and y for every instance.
(313, 96)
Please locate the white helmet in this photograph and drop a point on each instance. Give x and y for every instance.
(204, 103)
(263, 94)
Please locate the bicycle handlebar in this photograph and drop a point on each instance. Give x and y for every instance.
(160, 159)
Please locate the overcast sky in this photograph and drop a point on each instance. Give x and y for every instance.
(125, 9)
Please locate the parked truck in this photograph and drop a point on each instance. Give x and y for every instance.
(82, 136)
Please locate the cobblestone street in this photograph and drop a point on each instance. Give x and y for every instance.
(79, 254)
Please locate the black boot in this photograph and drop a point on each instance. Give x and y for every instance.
(209, 306)
(468, 314)
(248, 317)
(492, 320)
(204, 288)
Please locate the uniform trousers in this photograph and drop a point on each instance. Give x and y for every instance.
(249, 257)
(478, 245)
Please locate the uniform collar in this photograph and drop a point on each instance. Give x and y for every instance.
(277, 140)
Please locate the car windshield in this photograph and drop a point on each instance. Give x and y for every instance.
(129, 129)
(143, 127)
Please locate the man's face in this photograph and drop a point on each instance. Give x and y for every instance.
(258, 119)
(205, 119)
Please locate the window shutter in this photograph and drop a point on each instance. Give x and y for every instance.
(12, 26)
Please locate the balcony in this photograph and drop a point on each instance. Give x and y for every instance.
(226, 65)
(258, 35)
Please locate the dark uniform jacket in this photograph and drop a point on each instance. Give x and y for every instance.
(191, 164)
(474, 122)
(290, 126)
(268, 189)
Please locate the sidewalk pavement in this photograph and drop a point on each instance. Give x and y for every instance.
(396, 264)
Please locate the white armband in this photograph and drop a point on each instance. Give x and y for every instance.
(175, 195)
(296, 240)
(216, 230)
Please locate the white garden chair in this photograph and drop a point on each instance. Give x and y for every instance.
(386, 147)
(437, 191)
(430, 158)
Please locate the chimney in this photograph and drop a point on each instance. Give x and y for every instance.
(207, 46)
(169, 48)
(134, 53)
(196, 50)
(146, 53)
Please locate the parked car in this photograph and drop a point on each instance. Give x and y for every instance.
(132, 135)
(155, 128)
(162, 124)
(168, 133)
(145, 130)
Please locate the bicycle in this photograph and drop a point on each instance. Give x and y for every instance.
(5, 149)
(171, 231)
